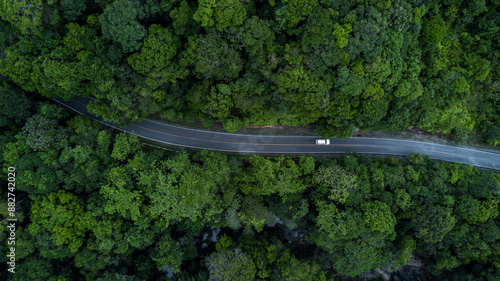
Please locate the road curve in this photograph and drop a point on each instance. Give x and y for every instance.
(270, 144)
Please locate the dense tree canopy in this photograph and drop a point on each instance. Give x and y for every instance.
(333, 64)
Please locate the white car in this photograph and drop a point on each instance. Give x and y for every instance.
(323, 142)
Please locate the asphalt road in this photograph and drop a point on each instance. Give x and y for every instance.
(270, 144)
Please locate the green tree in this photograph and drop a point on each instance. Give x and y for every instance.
(125, 144)
(213, 57)
(338, 224)
(37, 268)
(296, 10)
(222, 14)
(41, 133)
(229, 265)
(253, 213)
(72, 9)
(121, 197)
(62, 215)
(432, 223)
(341, 33)
(356, 257)
(434, 30)
(119, 24)
(293, 269)
(168, 252)
(180, 189)
(29, 16)
(14, 106)
(183, 19)
(156, 58)
(337, 181)
(378, 216)
(266, 177)
(219, 101)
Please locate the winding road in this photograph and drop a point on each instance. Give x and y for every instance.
(270, 144)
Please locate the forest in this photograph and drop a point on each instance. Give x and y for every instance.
(96, 204)
(332, 64)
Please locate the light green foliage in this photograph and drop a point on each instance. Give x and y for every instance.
(337, 181)
(268, 177)
(357, 69)
(307, 164)
(378, 216)
(62, 216)
(475, 211)
(341, 32)
(230, 265)
(434, 31)
(79, 154)
(223, 243)
(418, 13)
(220, 13)
(54, 76)
(41, 133)
(232, 125)
(119, 24)
(124, 145)
(455, 116)
(120, 194)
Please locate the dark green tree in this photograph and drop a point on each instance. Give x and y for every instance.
(119, 24)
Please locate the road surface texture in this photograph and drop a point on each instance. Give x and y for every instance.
(269, 144)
